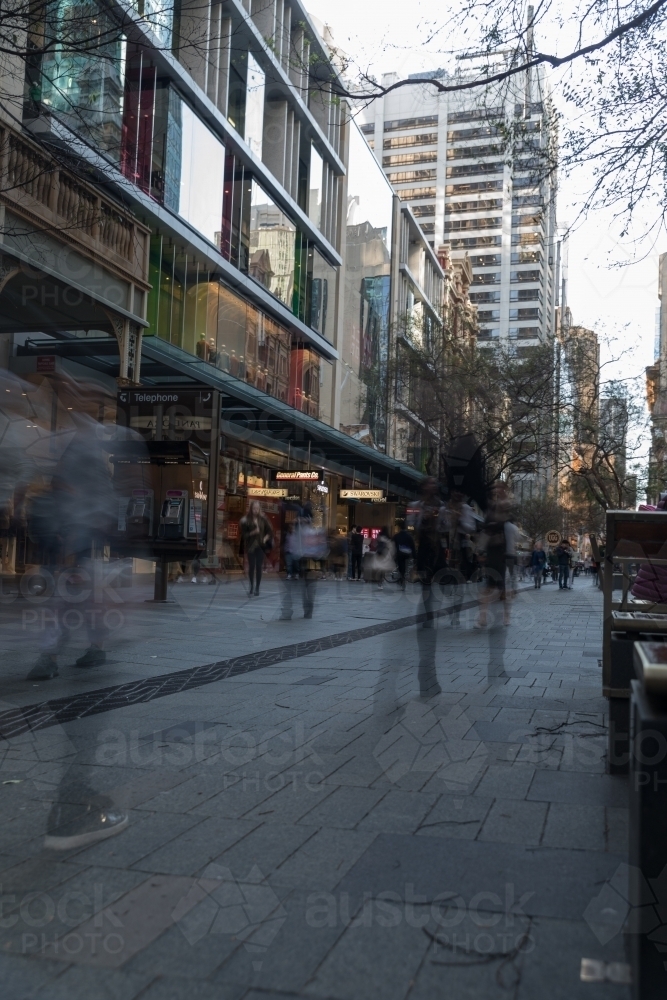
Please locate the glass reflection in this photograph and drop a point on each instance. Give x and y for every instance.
(367, 295)
(272, 246)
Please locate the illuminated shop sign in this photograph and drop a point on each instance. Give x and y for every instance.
(375, 495)
(265, 491)
(298, 476)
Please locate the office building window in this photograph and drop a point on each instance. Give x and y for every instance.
(406, 158)
(419, 211)
(486, 260)
(476, 115)
(476, 241)
(316, 171)
(403, 176)
(483, 132)
(486, 278)
(83, 72)
(368, 129)
(484, 205)
(254, 108)
(410, 194)
(526, 276)
(396, 141)
(456, 190)
(272, 246)
(456, 225)
(365, 341)
(202, 160)
(168, 152)
(525, 314)
(485, 296)
(399, 123)
(472, 152)
(476, 168)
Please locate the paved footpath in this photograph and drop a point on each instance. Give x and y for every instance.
(302, 824)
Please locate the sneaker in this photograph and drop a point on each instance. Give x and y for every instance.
(93, 657)
(72, 827)
(45, 669)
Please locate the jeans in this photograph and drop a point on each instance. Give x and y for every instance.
(563, 575)
(255, 564)
(356, 565)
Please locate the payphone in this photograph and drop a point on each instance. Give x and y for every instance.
(173, 516)
(139, 517)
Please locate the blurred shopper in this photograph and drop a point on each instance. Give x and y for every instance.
(257, 541)
(429, 517)
(493, 550)
(308, 547)
(512, 535)
(406, 552)
(337, 554)
(356, 543)
(382, 560)
(537, 562)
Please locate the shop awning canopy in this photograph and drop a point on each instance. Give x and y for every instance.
(257, 418)
(248, 414)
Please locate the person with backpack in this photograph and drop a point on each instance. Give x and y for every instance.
(257, 537)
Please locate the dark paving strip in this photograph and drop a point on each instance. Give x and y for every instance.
(52, 713)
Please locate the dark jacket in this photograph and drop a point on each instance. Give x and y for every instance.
(257, 534)
(563, 555)
(538, 558)
(357, 543)
(404, 540)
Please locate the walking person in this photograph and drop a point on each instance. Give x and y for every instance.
(308, 546)
(563, 559)
(430, 523)
(493, 548)
(405, 550)
(537, 560)
(257, 541)
(356, 552)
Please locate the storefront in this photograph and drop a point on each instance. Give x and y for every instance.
(229, 437)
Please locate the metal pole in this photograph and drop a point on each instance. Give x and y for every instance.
(309, 456)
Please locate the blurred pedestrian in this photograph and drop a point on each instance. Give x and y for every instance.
(257, 537)
(356, 543)
(308, 547)
(404, 542)
(537, 560)
(493, 549)
(429, 517)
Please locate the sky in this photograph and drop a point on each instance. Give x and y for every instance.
(612, 282)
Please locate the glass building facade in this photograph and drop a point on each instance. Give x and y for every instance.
(367, 276)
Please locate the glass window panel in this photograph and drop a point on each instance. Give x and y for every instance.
(323, 296)
(202, 176)
(367, 294)
(272, 246)
(254, 111)
(158, 17)
(315, 187)
(231, 334)
(83, 72)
